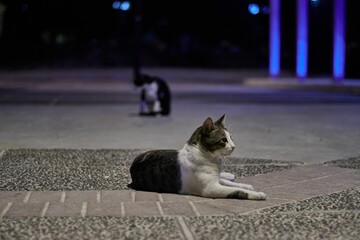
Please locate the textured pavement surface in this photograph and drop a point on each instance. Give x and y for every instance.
(304, 201)
(67, 139)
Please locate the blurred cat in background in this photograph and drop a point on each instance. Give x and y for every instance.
(155, 97)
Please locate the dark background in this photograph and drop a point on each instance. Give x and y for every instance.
(193, 34)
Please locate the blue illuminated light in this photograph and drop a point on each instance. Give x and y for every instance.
(253, 8)
(302, 38)
(274, 61)
(339, 39)
(116, 5)
(125, 6)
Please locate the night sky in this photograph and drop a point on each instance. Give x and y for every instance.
(211, 34)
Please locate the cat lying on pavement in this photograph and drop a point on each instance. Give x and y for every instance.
(193, 170)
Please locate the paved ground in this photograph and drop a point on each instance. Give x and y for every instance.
(67, 139)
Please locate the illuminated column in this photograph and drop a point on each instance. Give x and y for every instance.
(302, 38)
(339, 39)
(274, 61)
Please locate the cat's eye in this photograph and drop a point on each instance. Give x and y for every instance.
(224, 140)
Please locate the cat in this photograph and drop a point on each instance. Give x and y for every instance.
(155, 95)
(193, 170)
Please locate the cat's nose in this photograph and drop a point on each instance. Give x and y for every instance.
(232, 147)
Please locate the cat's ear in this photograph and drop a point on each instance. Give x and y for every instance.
(208, 125)
(221, 121)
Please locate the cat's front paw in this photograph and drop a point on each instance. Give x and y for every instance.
(257, 196)
(228, 176)
(247, 186)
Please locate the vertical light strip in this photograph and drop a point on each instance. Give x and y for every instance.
(339, 39)
(302, 38)
(274, 61)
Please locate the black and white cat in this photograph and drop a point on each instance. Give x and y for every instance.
(155, 95)
(193, 170)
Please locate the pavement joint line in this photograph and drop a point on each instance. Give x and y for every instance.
(6, 209)
(133, 196)
(98, 197)
(2, 152)
(160, 197)
(83, 209)
(193, 207)
(45, 208)
(160, 209)
(307, 180)
(122, 207)
(27, 197)
(63, 196)
(185, 229)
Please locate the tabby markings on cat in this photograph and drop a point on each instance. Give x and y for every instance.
(193, 170)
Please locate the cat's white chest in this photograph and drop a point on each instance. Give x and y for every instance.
(151, 90)
(196, 171)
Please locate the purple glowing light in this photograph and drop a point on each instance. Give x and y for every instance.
(274, 61)
(302, 38)
(339, 39)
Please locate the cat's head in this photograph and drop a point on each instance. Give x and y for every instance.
(142, 79)
(213, 137)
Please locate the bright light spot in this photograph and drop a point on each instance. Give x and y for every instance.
(116, 5)
(254, 8)
(125, 6)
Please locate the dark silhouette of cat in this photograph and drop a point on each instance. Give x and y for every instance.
(155, 97)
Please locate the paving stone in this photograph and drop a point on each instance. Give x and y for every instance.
(265, 181)
(229, 209)
(196, 198)
(282, 194)
(177, 208)
(141, 209)
(81, 196)
(25, 209)
(310, 172)
(104, 209)
(12, 196)
(45, 196)
(3, 207)
(167, 197)
(209, 208)
(320, 186)
(251, 204)
(115, 197)
(67, 209)
(141, 196)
